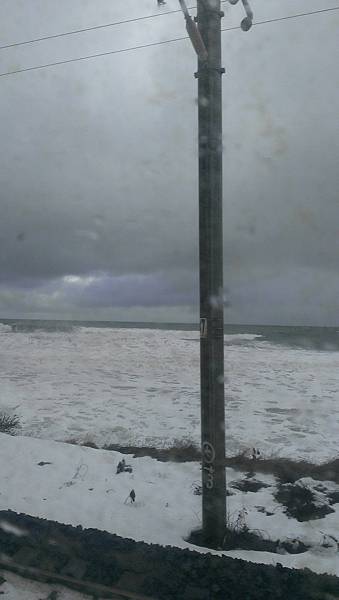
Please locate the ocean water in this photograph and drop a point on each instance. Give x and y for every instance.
(138, 384)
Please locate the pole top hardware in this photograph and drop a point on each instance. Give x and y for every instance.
(220, 70)
(194, 33)
(220, 13)
(247, 22)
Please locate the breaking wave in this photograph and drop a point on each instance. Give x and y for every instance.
(241, 339)
(36, 326)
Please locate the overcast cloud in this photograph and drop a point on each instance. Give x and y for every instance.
(99, 208)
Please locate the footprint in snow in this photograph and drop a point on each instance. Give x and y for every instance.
(80, 474)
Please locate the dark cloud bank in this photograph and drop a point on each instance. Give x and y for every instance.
(99, 212)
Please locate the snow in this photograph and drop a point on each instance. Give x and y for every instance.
(18, 588)
(141, 387)
(80, 487)
(5, 328)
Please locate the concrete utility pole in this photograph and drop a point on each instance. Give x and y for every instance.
(211, 275)
(206, 40)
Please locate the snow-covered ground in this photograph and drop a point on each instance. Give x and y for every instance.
(18, 588)
(141, 387)
(79, 485)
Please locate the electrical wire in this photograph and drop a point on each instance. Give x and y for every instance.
(95, 27)
(305, 14)
(140, 46)
(112, 24)
(90, 56)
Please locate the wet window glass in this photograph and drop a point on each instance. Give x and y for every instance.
(169, 316)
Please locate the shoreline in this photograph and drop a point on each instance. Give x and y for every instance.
(284, 469)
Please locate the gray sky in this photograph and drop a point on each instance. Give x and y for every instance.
(99, 208)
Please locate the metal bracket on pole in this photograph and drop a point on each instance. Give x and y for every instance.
(220, 70)
(213, 11)
(247, 22)
(194, 33)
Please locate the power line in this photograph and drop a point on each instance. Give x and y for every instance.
(90, 56)
(108, 25)
(139, 47)
(94, 28)
(305, 14)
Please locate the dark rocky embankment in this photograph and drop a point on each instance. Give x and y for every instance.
(164, 573)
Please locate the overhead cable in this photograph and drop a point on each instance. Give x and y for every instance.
(152, 44)
(93, 28)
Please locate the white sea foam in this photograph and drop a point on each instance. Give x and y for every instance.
(242, 336)
(141, 386)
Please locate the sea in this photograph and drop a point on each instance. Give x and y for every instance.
(138, 384)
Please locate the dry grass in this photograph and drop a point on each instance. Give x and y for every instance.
(183, 452)
(238, 536)
(286, 470)
(9, 423)
(300, 502)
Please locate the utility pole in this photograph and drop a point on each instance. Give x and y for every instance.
(211, 275)
(206, 40)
